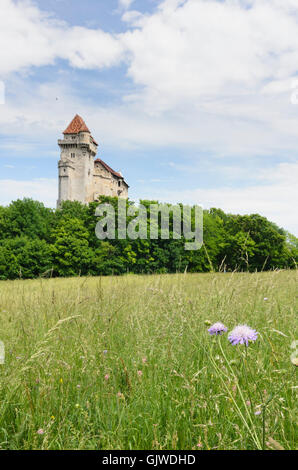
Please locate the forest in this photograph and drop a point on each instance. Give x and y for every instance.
(36, 241)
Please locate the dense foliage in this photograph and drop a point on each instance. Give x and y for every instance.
(38, 241)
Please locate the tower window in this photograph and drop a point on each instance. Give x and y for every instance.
(119, 183)
(72, 155)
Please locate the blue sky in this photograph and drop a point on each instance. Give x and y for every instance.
(193, 100)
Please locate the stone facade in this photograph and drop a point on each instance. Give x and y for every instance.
(81, 178)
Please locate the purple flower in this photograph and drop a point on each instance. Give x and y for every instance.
(242, 334)
(217, 329)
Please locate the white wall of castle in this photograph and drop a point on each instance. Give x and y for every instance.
(79, 178)
(105, 183)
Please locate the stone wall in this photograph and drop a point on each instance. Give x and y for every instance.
(80, 178)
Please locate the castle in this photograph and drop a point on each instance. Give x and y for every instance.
(81, 178)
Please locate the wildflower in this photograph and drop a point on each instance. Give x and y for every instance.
(77, 405)
(61, 381)
(233, 362)
(121, 396)
(257, 413)
(265, 298)
(294, 361)
(78, 386)
(217, 329)
(52, 417)
(105, 351)
(140, 373)
(242, 334)
(248, 403)
(40, 431)
(107, 377)
(199, 444)
(144, 360)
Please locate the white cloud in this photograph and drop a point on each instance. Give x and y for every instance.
(89, 49)
(29, 38)
(183, 51)
(126, 125)
(189, 55)
(43, 189)
(207, 73)
(133, 17)
(193, 49)
(2, 92)
(125, 4)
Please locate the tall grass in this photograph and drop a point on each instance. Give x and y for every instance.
(127, 362)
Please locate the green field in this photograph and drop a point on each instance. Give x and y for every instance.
(127, 362)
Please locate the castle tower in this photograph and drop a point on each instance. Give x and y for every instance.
(81, 178)
(76, 164)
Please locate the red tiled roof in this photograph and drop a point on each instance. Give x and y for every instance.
(108, 168)
(77, 125)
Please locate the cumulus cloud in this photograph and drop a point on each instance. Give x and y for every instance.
(29, 37)
(209, 73)
(185, 49)
(194, 49)
(248, 131)
(186, 53)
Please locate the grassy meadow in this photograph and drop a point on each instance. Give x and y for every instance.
(127, 362)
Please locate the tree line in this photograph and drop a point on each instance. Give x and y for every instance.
(38, 241)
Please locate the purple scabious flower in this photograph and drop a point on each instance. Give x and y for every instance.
(217, 329)
(242, 334)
